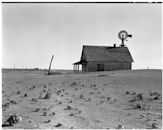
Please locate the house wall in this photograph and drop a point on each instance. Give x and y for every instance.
(108, 66)
(84, 68)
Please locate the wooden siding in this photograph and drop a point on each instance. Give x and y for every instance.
(108, 66)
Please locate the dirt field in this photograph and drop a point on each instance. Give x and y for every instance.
(99, 100)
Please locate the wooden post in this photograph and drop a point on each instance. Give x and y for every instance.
(74, 68)
(78, 68)
(50, 65)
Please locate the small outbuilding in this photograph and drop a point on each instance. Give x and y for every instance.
(104, 58)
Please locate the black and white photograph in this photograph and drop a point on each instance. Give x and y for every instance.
(81, 65)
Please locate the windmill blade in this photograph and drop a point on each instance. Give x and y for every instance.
(129, 35)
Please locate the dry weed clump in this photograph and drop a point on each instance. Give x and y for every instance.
(59, 102)
(81, 96)
(155, 125)
(131, 93)
(58, 92)
(88, 100)
(137, 97)
(34, 100)
(25, 95)
(120, 127)
(73, 84)
(18, 92)
(47, 96)
(58, 125)
(157, 97)
(141, 106)
(13, 119)
(76, 89)
(48, 121)
(153, 93)
(45, 113)
(68, 108)
(37, 109)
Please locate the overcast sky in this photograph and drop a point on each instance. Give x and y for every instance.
(33, 32)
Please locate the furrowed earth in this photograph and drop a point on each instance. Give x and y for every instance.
(102, 100)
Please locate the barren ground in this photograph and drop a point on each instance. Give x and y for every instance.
(86, 100)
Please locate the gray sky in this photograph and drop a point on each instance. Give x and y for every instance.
(33, 32)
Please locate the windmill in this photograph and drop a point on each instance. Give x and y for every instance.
(123, 35)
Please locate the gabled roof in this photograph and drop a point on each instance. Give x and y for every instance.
(105, 53)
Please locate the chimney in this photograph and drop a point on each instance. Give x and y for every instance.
(114, 45)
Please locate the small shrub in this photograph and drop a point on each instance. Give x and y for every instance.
(89, 99)
(59, 102)
(47, 96)
(120, 127)
(13, 119)
(18, 92)
(68, 108)
(47, 121)
(58, 125)
(155, 125)
(76, 88)
(73, 84)
(37, 109)
(81, 96)
(53, 113)
(45, 113)
(34, 100)
(13, 102)
(108, 98)
(139, 96)
(25, 95)
(141, 106)
(158, 96)
(59, 91)
(153, 93)
(69, 101)
(72, 114)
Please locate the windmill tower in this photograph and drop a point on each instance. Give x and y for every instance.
(123, 35)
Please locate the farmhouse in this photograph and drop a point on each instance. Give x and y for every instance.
(104, 58)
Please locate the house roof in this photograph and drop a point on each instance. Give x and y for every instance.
(105, 53)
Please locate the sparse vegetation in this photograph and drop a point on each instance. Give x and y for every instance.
(48, 121)
(18, 92)
(58, 125)
(137, 97)
(45, 113)
(155, 125)
(68, 108)
(141, 106)
(37, 109)
(25, 95)
(47, 96)
(73, 84)
(34, 100)
(81, 96)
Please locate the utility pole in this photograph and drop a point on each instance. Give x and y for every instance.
(50, 65)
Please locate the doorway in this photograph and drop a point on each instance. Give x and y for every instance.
(100, 67)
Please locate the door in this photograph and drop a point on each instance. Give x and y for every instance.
(100, 67)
